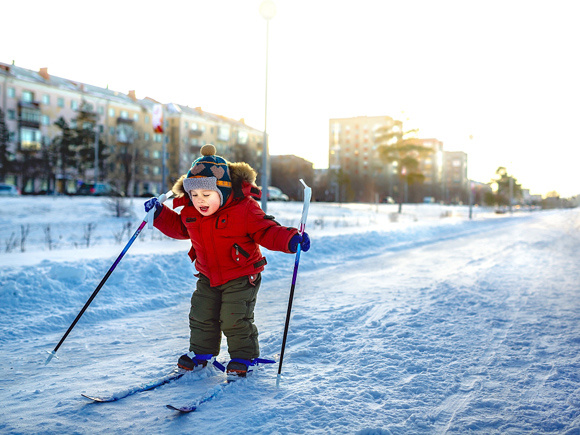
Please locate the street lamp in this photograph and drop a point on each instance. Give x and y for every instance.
(267, 10)
(96, 151)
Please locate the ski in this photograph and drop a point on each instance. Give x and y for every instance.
(215, 391)
(170, 377)
(211, 394)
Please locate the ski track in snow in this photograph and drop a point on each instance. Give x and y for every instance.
(452, 327)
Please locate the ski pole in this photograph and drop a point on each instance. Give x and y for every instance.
(307, 196)
(149, 217)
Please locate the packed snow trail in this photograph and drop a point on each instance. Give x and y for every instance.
(477, 334)
(472, 328)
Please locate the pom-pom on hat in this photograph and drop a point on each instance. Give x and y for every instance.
(209, 172)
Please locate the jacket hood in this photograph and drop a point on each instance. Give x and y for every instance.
(243, 178)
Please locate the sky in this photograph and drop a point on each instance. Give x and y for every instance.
(496, 79)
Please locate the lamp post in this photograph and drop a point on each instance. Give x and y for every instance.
(267, 10)
(511, 179)
(470, 193)
(96, 153)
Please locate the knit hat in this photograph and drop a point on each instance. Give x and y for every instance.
(209, 172)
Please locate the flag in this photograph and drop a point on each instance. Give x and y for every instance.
(158, 118)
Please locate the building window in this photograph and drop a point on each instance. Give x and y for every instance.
(146, 154)
(60, 102)
(11, 93)
(74, 105)
(146, 119)
(125, 133)
(46, 99)
(30, 139)
(135, 117)
(111, 131)
(27, 96)
(45, 119)
(124, 114)
(101, 110)
(111, 112)
(11, 114)
(145, 170)
(156, 170)
(243, 137)
(156, 154)
(146, 136)
(157, 137)
(30, 115)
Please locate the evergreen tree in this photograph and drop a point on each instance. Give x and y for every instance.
(503, 187)
(85, 133)
(63, 149)
(395, 147)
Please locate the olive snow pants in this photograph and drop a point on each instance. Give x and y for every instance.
(228, 308)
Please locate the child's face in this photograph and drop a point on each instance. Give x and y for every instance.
(205, 201)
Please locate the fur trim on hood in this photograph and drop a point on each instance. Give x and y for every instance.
(239, 172)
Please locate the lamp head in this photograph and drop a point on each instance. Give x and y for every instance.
(268, 9)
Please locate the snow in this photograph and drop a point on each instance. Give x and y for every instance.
(425, 322)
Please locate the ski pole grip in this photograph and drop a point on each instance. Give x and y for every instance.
(151, 213)
(165, 196)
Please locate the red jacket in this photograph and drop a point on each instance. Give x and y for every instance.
(225, 244)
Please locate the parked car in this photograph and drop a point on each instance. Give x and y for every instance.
(8, 190)
(97, 189)
(275, 194)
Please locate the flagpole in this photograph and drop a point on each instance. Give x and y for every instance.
(164, 153)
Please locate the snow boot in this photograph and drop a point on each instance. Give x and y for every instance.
(192, 362)
(238, 368)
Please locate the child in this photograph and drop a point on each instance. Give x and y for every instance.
(225, 224)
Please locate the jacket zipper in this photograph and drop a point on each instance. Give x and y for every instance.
(240, 250)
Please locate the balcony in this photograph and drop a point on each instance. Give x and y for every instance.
(87, 111)
(29, 114)
(30, 139)
(30, 145)
(125, 133)
(125, 121)
(195, 132)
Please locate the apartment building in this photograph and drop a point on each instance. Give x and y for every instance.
(33, 101)
(430, 165)
(455, 181)
(353, 153)
(191, 128)
(361, 175)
